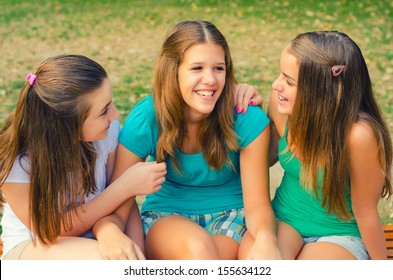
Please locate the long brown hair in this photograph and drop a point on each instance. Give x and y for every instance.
(46, 126)
(325, 109)
(216, 134)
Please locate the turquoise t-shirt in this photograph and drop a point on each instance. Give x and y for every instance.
(198, 189)
(300, 208)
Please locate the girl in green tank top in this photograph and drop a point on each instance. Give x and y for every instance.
(334, 147)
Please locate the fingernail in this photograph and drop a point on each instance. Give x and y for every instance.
(243, 111)
(238, 110)
(251, 102)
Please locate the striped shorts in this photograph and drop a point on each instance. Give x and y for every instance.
(229, 222)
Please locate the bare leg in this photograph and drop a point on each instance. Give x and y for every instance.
(289, 240)
(227, 247)
(176, 237)
(65, 248)
(324, 251)
(245, 245)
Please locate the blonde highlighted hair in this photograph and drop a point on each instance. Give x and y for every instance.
(326, 107)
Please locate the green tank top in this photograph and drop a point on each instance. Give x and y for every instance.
(299, 207)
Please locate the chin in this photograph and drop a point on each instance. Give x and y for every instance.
(284, 111)
(102, 136)
(207, 112)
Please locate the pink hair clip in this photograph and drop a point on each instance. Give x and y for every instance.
(31, 78)
(337, 69)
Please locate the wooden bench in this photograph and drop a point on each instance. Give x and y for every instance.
(388, 229)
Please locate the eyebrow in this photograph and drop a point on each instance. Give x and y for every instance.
(289, 77)
(200, 63)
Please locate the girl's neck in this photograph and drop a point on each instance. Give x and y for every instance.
(191, 143)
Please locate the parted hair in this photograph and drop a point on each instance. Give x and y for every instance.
(216, 134)
(325, 109)
(46, 127)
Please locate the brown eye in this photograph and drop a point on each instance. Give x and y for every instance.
(105, 112)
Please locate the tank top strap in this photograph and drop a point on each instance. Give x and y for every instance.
(282, 143)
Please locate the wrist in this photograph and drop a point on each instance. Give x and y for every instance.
(105, 228)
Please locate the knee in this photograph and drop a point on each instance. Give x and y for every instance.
(199, 248)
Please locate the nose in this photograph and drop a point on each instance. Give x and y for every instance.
(209, 78)
(115, 114)
(277, 85)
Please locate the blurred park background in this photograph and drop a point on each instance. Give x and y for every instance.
(125, 37)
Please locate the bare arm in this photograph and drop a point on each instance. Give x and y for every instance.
(259, 214)
(134, 228)
(110, 231)
(124, 160)
(116, 244)
(132, 183)
(367, 179)
(273, 144)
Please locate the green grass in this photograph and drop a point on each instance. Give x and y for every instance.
(125, 36)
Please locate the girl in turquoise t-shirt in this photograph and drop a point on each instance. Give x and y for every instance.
(204, 209)
(335, 149)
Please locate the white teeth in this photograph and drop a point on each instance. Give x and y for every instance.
(205, 93)
(281, 98)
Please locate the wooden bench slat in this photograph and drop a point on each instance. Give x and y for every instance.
(389, 235)
(390, 254)
(388, 227)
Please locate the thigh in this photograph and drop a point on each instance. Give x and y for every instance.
(334, 248)
(227, 247)
(245, 245)
(65, 248)
(289, 241)
(324, 251)
(178, 237)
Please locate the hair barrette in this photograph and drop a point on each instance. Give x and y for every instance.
(31, 78)
(337, 69)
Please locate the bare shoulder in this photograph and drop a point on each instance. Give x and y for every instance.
(362, 137)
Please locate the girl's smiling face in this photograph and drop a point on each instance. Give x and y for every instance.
(286, 84)
(201, 78)
(102, 112)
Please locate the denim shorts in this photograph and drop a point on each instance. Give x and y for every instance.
(229, 222)
(353, 244)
